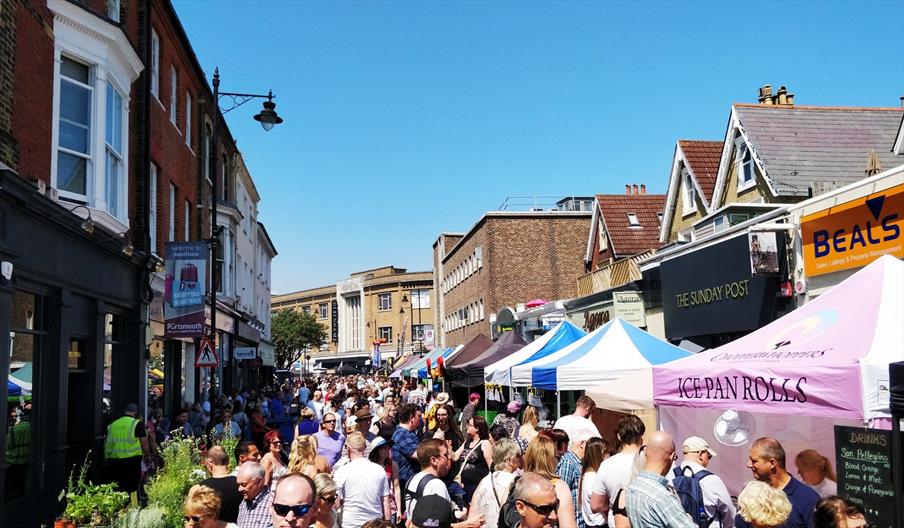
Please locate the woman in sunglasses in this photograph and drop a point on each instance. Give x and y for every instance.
(201, 508)
(326, 502)
(540, 458)
(274, 465)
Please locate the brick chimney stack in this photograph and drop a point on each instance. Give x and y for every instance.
(627, 189)
(635, 189)
(781, 98)
(643, 189)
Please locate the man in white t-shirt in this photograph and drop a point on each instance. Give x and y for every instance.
(579, 424)
(435, 459)
(616, 471)
(362, 486)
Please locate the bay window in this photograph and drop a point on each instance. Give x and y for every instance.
(95, 66)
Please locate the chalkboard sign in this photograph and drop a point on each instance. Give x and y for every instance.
(863, 463)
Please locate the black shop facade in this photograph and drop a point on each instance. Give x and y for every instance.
(713, 294)
(73, 305)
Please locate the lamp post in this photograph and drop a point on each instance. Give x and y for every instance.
(268, 119)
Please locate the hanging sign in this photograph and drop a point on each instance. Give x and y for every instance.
(184, 289)
(245, 353)
(206, 356)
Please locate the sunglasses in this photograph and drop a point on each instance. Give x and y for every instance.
(543, 509)
(331, 499)
(328, 421)
(276, 442)
(194, 519)
(299, 509)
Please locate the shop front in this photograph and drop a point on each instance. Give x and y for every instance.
(593, 311)
(723, 290)
(71, 304)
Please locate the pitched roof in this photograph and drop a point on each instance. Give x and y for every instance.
(703, 158)
(625, 240)
(800, 145)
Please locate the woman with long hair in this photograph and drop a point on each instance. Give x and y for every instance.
(308, 424)
(274, 466)
(595, 451)
(476, 455)
(816, 471)
(493, 490)
(529, 421)
(202, 507)
(380, 452)
(327, 495)
(446, 429)
(303, 457)
(541, 458)
(387, 423)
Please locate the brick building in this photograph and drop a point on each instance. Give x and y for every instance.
(506, 258)
(105, 135)
(388, 304)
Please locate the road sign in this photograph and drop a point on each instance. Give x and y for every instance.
(206, 356)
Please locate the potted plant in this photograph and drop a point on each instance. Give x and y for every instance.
(89, 504)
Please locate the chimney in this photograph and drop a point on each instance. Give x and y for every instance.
(902, 101)
(627, 189)
(635, 189)
(643, 189)
(765, 97)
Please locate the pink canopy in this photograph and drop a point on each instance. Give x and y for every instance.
(536, 302)
(828, 358)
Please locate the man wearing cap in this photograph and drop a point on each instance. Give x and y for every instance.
(716, 499)
(124, 447)
(362, 486)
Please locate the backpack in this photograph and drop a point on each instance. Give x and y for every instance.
(691, 494)
(418, 493)
(508, 513)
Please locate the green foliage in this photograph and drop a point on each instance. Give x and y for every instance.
(181, 470)
(88, 503)
(151, 517)
(292, 332)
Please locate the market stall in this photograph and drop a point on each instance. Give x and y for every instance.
(410, 371)
(473, 348)
(403, 363)
(449, 353)
(823, 364)
(500, 372)
(470, 374)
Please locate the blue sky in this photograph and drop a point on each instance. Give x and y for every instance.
(407, 119)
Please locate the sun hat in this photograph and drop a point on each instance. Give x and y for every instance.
(695, 444)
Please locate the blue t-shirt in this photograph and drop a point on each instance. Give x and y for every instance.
(404, 445)
(803, 503)
(276, 409)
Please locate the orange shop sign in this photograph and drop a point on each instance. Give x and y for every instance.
(855, 233)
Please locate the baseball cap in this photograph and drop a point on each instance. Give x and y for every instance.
(432, 511)
(695, 444)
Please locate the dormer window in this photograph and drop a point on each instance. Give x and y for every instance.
(744, 160)
(689, 193)
(603, 240)
(633, 221)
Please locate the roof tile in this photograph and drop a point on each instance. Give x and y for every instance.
(626, 240)
(703, 158)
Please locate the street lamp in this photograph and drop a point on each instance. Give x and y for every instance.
(268, 119)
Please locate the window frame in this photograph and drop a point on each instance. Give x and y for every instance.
(384, 306)
(745, 165)
(388, 330)
(90, 156)
(602, 236)
(155, 65)
(172, 213)
(688, 193)
(186, 226)
(188, 105)
(633, 220)
(121, 195)
(174, 96)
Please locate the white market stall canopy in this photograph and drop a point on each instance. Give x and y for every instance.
(564, 334)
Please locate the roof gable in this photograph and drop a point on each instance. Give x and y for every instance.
(624, 239)
(701, 159)
(801, 147)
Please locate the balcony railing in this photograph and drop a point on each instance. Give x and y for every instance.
(612, 275)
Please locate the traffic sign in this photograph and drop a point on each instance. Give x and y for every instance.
(206, 356)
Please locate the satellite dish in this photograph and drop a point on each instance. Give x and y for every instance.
(734, 428)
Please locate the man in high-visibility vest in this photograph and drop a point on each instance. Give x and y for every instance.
(124, 448)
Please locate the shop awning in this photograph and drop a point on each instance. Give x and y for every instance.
(470, 374)
(560, 336)
(22, 376)
(422, 362)
(402, 363)
(422, 372)
(827, 358)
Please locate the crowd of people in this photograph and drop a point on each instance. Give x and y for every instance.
(370, 452)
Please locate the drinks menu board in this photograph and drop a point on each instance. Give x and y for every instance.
(863, 464)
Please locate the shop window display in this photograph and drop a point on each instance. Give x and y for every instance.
(26, 337)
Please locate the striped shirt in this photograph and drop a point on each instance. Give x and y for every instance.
(569, 470)
(651, 503)
(256, 512)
